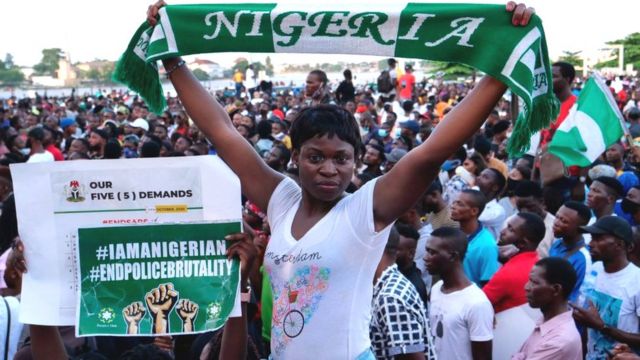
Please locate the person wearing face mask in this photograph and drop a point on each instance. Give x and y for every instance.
(384, 133)
(516, 176)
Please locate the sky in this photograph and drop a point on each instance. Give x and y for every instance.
(90, 30)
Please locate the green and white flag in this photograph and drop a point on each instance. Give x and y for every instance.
(481, 36)
(594, 123)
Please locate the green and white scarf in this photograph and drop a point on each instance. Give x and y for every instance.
(481, 36)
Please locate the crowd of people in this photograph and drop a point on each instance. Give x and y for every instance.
(424, 229)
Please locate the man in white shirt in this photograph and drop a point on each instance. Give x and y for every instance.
(460, 314)
(611, 291)
(38, 153)
(491, 183)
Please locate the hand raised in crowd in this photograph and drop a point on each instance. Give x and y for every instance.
(187, 310)
(521, 13)
(17, 259)
(133, 313)
(152, 12)
(160, 301)
(245, 250)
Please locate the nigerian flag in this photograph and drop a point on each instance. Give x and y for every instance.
(593, 124)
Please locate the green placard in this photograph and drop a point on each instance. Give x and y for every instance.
(155, 279)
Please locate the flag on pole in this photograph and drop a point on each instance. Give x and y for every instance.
(594, 123)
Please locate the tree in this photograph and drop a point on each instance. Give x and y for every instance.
(571, 57)
(106, 72)
(8, 61)
(631, 45)
(10, 74)
(240, 64)
(49, 63)
(631, 49)
(268, 66)
(201, 74)
(93, 74)
(453, 70)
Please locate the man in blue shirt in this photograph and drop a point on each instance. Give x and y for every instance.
(569, 243)
(481, 260)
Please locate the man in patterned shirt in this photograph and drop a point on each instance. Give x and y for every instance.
(399, 323)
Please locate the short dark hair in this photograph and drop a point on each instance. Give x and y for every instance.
(435, 186)
(393, 242)
(380, 150)
(150, 149)
(528, 188)
(322, 76)
(112, 149)
(145, 351)
(347, 74)
(456, 239)
(567, 70)
(478, 198)
(559, 271)
(264, 129)
(482, 145)
(534, 227)
(320, 120)
(285, 154)
(500, 180)
(36, 133)
(407, 231)
(613, 185)
(583, 210)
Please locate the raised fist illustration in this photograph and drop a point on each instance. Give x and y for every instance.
(133, 313)
(160, 301)
(187, 310)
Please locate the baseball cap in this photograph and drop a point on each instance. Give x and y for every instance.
(395, 155)
(450, 165)
(123, 110)
(411, 125)
(140, 123)
(66, 122)
(610, 225)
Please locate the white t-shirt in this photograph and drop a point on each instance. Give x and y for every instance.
(617, 298)
(322, 283)
(457, 319)
(41, 157)
(421, 252)
(493, 218)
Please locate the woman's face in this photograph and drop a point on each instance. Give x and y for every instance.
(470, 166)
(237, 119)
(326, 166)
(313, 83)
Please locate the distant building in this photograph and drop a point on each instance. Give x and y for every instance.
(212, 68)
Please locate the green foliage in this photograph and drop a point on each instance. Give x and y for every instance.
(571, 57)
(452, 70)
(201, 75)
(10, 74)
(268, 66)
(240, 64)
(49, 63)
(631, 51)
